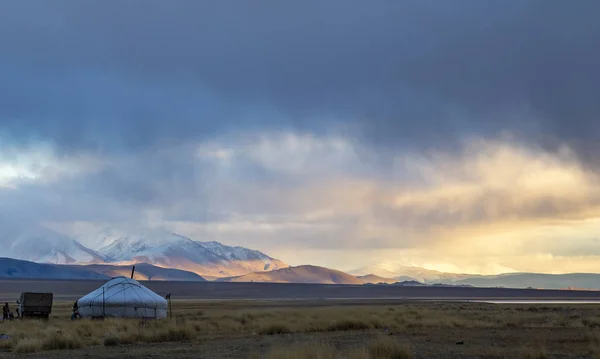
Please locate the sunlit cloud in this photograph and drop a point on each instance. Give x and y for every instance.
(40, 164)
(485, 209)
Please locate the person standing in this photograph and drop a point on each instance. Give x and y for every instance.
(75, 314)
(5, 312)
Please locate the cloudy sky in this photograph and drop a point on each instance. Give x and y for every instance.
(456, 135)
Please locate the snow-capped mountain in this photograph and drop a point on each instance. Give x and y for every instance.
(166, 249)
(148, 245)
(253, 258)
(101, 238)
(42, 245)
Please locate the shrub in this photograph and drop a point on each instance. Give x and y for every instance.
(111, 341)
(59, 341)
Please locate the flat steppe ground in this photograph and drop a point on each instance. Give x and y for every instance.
(312, 329)
(71, 290)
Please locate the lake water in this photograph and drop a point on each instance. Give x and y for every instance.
(536, 301)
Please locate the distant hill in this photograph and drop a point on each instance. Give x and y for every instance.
(145, 271)
(402, 273)
(408, 273)
(535, 280)
(14, 268)
(374, 279)
(299, 274)
(409, 283)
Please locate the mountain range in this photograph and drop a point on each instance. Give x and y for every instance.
(160, 248)
(42, 245)
(38, 252)
(299, 274)
(408, 273)
(19, 269)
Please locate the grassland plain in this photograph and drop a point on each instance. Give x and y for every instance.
(253, 329)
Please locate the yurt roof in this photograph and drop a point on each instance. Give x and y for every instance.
(123, 291)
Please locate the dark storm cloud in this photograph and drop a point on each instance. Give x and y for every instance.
(111, 76)
(172, 181)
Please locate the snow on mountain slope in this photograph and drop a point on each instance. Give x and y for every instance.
(14, 268)
(102, 238)
(252, 259)
(42, 245)
(148, 243)
(166, 249)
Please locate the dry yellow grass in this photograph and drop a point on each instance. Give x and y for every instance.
(388, 348)
(379, 348)
(195, 321)
(594, 339)
(303, 351)
(28, 345)
(536, 352)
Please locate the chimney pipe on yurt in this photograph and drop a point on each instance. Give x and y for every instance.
(103, 304)
(132, 270)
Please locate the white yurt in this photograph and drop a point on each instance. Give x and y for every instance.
(122, 297)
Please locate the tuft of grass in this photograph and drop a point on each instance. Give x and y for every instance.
(380, 348)
(275, 328)
(174, 334)
(6, 344)
(60, 341)
(388, 348)
(305, 351)
(535, 353)
(347, 325)
(84, 330)
(151, 334)
(359, 353)
(28, 346)
(594, 340)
